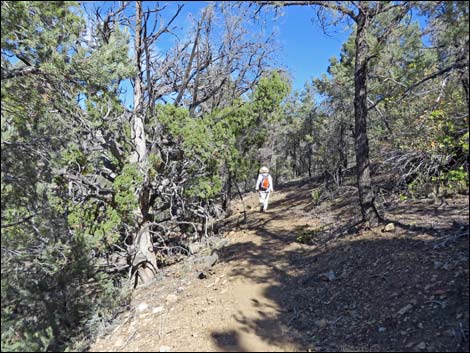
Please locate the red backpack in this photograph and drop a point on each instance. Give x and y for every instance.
(264, 185)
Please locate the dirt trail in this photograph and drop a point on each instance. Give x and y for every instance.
(231, 310)
(270, 293)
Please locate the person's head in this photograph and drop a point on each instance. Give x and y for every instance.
(263, 170)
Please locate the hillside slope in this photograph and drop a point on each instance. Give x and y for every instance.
(344, 289)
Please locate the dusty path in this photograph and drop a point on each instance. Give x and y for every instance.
(237, 308)
(367, 291)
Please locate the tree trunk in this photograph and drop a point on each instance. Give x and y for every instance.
(144, 260)
(343, 152)
(294, 158)
(310, 145)
(227, 193)
(366, 194)
(309, 165)
(139, 155)
(144, 264)
(243, 202)
(273, 162)
(466, 89)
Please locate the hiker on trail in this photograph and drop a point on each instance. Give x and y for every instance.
(264, 185)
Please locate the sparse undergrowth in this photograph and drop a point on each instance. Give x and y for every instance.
(341, 288)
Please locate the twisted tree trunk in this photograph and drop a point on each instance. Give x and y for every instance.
(144, 262)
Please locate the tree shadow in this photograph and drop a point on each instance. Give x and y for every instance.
(229, 341)
(378, 293)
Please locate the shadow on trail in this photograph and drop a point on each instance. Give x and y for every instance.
(230, 340)
(378, 294)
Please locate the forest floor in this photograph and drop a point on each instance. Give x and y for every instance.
(344, 288)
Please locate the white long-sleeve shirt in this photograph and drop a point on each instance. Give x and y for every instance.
(260, 178)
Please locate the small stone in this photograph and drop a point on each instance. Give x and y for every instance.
(202, 275)
(328, 276)
(171, 298)
(421, 346)
(142, 306)
(157, 310)
(449, 333)
(194, 248)
(321, 323)
(403, 310)
(420, 325)
(382, 329)
(143, 316)
(389, 227)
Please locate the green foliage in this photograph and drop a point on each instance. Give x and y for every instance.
(98, 222)
(455, 180)
(51, 289)
(448, 134)
(196, 139)
(224, 143)
(125, 186)
(429, 120)
(72, 155)
(458, 177)
(55, 286)
(205, 188)
(155, 161)
(316, 196)
(40, 31)
(269, 94)
(69, 195)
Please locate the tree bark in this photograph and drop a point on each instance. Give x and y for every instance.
(361, 143)
(144, 264)
(243, 202)
(343, 148)
(466, 89)
(139, 155)
(227, 193)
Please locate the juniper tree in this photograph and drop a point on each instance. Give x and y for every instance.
(58, 111)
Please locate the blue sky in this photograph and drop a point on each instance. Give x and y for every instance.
(305, 49)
